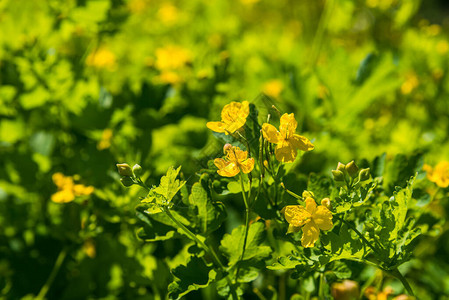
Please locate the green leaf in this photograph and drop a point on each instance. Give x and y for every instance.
(232, 244)
(210, 215)
(190, 277)
(169, 185)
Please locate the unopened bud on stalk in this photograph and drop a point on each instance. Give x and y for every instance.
(341, 167)
(137, 170)
(308, 194)
(124, 170)
(326, 202)
(352, 169)
(126, 181)
(364, 174)
(227, 147)
(338, 175)
(346, 290)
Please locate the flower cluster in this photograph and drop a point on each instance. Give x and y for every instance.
(67, 189)
(235, 161)
(311, 218)
(439, 174)
(288, 142)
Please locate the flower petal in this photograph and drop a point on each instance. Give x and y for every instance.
(323, 218)
(310, 234)
(310, 206)
(270, 133)
(300, 142)
(226, 168)
(247, 165)
(288, 125)
(285, 152)
(296, 215)
(216, 126)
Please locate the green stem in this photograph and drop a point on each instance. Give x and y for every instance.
(321, 288)
(398, 275)
(206, 248)
(54, 272)
(246, 225)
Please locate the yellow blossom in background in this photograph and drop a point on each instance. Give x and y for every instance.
(105, 141)
(311, 218)
(169, 77)
(102, 58)
(138, 6)
(288, 142)
(411, 82)
(236, 160)
(233, 117)
(67, 189)
(168, 13)
(172, 58)
(89, 248)
(439, 174)
(273, 88)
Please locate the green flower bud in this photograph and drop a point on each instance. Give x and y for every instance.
(338, 175)
(352, 169)
(364, 175)
(341, 167)
(137, 170)
(307, 194)
(126, 181)
(124, 170)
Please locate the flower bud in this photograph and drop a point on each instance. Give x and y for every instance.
(352, 169)
(126, 181)
(338, 175)
(307, 194)
(341, 167)
(346, 290)
(326, 202)
(124, 170)
(137, 170)
(364, 174)
(227, 147)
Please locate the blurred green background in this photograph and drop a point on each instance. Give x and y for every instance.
(87, 84)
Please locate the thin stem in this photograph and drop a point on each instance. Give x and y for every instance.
(398, 275)
(54, 272)
(245, 200)
(206, 248)
(321, 287)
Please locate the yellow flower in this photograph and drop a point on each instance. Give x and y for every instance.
(102, 58)
(236, 160)
(67, 189)
(233, 117)
(439, 174)
(172, 58)
(288, 142)
(311, 218)
(273, 88)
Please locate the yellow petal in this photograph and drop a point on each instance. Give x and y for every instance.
(323, 218)
(270, 133)
(285, 152)
(310, 205)
(247, 165)
(301, 143)
(288, 125)
(216, 126)
(234, 115)
(310, 234)
(296, 215)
